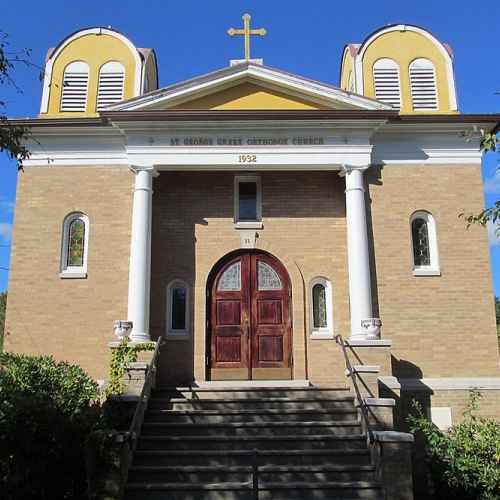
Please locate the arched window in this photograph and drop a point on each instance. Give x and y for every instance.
(321, 312)
(424, 244)
(423, 85)
(177, 324)
(75, 87)
(75, 246)
(111, 83)
(386, 82)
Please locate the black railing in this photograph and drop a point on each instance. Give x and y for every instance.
(142, 404)
(361, 402)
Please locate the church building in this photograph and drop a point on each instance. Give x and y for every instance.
(253, 218)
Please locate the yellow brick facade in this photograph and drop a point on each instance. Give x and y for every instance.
(71, 319)
(440, 326)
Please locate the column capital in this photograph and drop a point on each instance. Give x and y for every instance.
(347, 169)
(150, 169)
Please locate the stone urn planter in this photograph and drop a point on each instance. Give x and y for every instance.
(122, 329)
(371, 327)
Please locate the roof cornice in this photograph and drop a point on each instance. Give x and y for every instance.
(232, 115)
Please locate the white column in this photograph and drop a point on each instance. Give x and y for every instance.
(139, 281)
(363, 325)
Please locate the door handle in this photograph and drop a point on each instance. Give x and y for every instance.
(245, 328)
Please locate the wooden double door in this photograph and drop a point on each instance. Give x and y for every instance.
(249, 323)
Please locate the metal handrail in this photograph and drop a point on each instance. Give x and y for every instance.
(361, 402)
(149, 381)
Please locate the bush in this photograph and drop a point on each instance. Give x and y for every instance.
(465, 461)
(47, 410)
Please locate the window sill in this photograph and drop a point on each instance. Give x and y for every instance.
(65, 275)
(322, 336)
(248, 225)
(426, 272)
(178, 336)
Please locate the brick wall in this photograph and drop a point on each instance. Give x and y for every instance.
(71, 319)
(304, 227)
(441, 326)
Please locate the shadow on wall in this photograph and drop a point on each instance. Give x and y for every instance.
(373, 177)
(403, 369)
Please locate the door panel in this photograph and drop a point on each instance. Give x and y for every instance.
(271, 321)
(229, 321)
(250, 319)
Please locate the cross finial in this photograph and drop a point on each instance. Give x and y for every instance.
(247, 32)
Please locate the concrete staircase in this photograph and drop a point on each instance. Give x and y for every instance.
(252, 443)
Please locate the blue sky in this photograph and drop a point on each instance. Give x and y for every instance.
(303, 37)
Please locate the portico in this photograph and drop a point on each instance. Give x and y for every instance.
(287, 151)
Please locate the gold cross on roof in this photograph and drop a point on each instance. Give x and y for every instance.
(247, 32)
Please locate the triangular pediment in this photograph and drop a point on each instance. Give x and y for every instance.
(249, 86)
(249, 95)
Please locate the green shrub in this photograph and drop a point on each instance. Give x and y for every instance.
(47, 410)
(465, 461)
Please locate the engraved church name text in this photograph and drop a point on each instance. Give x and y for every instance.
(247, 141)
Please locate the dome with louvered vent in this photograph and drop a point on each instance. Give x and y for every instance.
(402, 65)
(92, 69)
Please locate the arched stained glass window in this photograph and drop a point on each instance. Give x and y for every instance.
(76, 243)
(424, 244)
(75, 246)
(319, 306)
(421, 250)
(321, 309)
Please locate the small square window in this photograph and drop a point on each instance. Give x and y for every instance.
(247, 201)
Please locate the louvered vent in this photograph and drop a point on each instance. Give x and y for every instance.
(75, 87)
(386, 81)
(423, 85)
(111, 83)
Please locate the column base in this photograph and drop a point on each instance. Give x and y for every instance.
(139, 337)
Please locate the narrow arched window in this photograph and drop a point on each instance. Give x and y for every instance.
(177, 324)
(387, 82)
(75, 86)
(423, 85)
(75, 246)
(424, 244)
(321, 312)
(111, 84)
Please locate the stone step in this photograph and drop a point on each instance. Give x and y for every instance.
(266, 491)
(218, 474)
(253, 415)
(258, 393)
(344, 402)
(244, 457)
(252, 428)
(318, 441)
